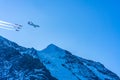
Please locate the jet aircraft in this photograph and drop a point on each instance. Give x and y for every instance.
(10, 26)
(32, 24)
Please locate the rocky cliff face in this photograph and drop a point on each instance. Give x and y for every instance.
(19, 63)
(52, 63)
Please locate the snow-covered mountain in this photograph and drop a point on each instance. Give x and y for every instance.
(19, 63)
(52, 63)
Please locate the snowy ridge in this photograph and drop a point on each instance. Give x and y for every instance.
(65, 66)
(52, 63)
(6, 43)
(19, 63)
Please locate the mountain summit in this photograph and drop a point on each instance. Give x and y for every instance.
(52, 63)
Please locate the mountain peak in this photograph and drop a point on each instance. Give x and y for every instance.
(52, 48)
(49, 63)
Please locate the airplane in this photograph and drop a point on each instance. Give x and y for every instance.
(32, 24)
(17, 27)
(17, 30)
(10, 26)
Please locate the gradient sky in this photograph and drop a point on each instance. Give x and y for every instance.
(87, 28)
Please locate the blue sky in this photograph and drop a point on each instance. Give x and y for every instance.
(87, 28)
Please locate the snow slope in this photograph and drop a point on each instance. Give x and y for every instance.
(19, 63)
(52, 63)
(65, 66)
